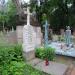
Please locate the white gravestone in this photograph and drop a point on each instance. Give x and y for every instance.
(29, 38)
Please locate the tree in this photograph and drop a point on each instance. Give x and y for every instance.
(8, 14)
(11, 13)
(58, 12)
(3, 17)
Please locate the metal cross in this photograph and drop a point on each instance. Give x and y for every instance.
(46, 33)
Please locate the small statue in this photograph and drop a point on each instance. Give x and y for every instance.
(68, 36)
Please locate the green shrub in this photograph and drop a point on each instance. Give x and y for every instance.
(45, 53)
(12, 63)
(8, 54)
(14, 68)
(11, 60)
(40, 53)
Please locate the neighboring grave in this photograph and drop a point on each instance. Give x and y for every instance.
(73, 37)
(62, 35)
(11, 37)
(73, 33)
(68, 36)
(50, 34)
(62, 32)
(38, 41)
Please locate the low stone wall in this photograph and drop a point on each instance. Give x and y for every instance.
(11, 37)
(19, 34)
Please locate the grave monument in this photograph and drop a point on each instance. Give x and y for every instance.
(68, 36)
(66, 47)
(29, 38)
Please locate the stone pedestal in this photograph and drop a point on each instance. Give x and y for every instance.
(29, 55)
(29, 38)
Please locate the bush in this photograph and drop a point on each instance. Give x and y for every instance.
(12, 53)
(14, 68)
(45, 53)
(12, 63)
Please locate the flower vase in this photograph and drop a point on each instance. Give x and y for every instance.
(46, 62)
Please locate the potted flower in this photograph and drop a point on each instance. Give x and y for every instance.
(46, 62)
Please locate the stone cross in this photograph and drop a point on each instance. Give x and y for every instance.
(28, 16)
(29, 37)
(68, 36)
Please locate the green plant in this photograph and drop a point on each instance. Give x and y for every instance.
(40, 53)
(45, 53)
(49, 53)
(11, 60)
(14, 68)
(12, 63)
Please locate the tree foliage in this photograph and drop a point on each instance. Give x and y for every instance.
(8, 14)
(11, 13)
(60, 13)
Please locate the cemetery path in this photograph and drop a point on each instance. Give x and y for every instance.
(65, 60)
(54, 68)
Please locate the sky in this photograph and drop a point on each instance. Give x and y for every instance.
(26, 1)
(22, 0)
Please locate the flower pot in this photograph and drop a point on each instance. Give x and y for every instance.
(46, 62)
